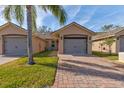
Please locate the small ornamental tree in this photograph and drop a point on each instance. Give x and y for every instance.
(109, 42)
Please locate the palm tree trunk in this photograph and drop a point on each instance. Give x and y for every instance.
(29, 36)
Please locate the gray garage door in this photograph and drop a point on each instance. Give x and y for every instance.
(122, 44)
(75, 46)
(15, 46)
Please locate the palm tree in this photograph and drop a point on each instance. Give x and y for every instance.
(18, 13)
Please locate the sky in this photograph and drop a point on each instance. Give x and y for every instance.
(91, 16)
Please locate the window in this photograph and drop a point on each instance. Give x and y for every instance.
(103, 48)
(53, 44)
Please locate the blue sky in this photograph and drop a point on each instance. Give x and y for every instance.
(92, 17)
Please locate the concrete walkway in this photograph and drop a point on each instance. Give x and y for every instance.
(5, 59)
(88, 72)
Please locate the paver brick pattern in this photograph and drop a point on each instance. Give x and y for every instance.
(88, 72)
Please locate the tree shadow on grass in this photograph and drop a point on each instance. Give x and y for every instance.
(48, 65)
(46, 54)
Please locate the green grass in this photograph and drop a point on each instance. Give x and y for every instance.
(105, 55)
(19, 74)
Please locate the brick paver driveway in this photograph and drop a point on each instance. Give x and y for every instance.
(88, 71)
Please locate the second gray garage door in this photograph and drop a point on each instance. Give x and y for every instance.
(76, 46)
(122, 44)
(15, 45)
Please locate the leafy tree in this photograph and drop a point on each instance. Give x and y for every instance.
(109, 27)
(18, 12)
(44, 29)
(109, 42)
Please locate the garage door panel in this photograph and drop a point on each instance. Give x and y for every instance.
(15, 45)
(122, 44)
(75, 46)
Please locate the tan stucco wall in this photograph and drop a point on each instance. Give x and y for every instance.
(15, 31)
(97, 47)
(38, 45)
(71, 30)
(49, 43)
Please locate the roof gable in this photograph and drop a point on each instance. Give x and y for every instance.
(11, 29)
(74, 24)
(111, 33)
(13, 25)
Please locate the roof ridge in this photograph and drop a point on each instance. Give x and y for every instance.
(75, 23)
(107, 33)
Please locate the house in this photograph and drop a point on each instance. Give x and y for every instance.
(71, 39)
(117, 46)
(13, 40)
(74, 39)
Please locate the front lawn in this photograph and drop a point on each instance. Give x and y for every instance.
(19, 74)
(105, 55)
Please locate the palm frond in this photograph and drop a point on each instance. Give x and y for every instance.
(57, 10)
(19, 13)
(7, 13)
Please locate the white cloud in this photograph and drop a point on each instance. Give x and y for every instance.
(40, 16)
(92, 26)
(72, 11)
(2, 20)
(99, 23)
(87, 17)
(2, 7)
(110, 14)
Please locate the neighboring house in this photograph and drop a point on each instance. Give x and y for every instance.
(117, 34)
(71, 39)
(74, 39)
(13, 40)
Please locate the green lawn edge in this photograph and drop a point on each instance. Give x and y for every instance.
(18, 74)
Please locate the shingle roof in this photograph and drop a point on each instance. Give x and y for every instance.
(44, 35)
(111, 33)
